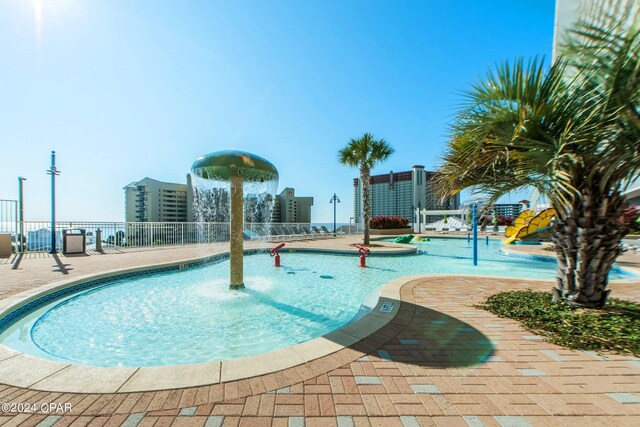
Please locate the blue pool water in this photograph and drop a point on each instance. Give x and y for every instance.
(191, 316)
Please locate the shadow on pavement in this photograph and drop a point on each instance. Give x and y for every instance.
(62, 268)
(428, 338)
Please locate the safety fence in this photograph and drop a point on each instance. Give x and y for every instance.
(8, 216)
(37, 235)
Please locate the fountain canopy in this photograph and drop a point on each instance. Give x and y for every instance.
(222, 165)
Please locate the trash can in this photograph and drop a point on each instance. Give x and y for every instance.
(74, 241)
(5, 245)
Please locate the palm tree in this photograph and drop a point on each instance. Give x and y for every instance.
(572, 132)
(364, 153)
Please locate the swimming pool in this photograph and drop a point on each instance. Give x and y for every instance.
(190, 316)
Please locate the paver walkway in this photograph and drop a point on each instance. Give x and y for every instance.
(439, 362)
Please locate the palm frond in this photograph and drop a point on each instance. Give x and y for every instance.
(365, 151)
(557, 129)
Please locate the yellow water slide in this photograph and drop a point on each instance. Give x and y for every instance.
(527, 224)
(523, 219)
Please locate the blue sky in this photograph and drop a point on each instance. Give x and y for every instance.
(123, 90)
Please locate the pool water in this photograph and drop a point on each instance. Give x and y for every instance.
(191, 316)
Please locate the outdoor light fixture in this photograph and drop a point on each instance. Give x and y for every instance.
(21, 203)
(53, 171)
(335, 200)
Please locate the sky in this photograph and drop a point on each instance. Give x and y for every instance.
(124, 90)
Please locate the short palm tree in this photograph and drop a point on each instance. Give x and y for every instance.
(572, 132)
(364, 153)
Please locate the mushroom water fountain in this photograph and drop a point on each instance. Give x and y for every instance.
(234, 170)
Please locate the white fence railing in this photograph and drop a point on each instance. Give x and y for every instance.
(8, 216)
(37, 234)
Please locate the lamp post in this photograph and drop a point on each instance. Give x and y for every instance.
(335, 202)
(413, 218)
(350, 218)
(53, 171)
(474, 219)
(21, 212)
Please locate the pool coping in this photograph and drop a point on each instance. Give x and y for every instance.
(34, 373)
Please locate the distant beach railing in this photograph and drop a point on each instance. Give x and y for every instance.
(8, 216)
(37, 234)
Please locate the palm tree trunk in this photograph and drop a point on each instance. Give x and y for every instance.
(366, 203)
(587, 242)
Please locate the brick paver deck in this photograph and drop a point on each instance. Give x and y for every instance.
(439, 362)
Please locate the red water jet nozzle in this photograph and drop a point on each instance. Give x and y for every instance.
(363, 250)
(364, 253)
(274, 252)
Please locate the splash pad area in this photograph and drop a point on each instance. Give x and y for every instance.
(190, 315)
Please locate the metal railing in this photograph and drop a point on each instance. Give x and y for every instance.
(37, 234)
(9, 216)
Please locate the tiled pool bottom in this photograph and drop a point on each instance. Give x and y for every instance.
(190, 316)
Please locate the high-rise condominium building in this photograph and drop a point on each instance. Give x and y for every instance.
(149, 200)
(400, 193)
(290, 208)
(508, 209)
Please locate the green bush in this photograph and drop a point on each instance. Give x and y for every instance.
(615, 327)
(386, 222)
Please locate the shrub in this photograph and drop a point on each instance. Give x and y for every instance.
(490, 220)
(631, 216)
(382, 222)
(505, 220)
(614, 328)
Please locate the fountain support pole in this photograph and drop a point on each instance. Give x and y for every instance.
(236, 238)
(235, 167)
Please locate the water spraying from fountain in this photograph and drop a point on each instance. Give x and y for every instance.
(234, 186)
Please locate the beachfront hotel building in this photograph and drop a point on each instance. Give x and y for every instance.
(400, 193)
(507, 209)
(150, 200)
(291, 208)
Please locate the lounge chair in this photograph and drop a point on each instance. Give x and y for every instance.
(307, 232)
(276, 232)
(297, 232)
(318, 232)
(327, 232)
(287, 233)
(263, 231)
